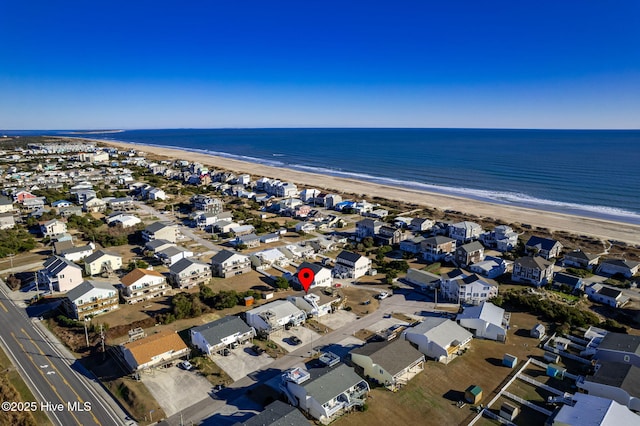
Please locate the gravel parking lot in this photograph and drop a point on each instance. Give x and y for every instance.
(241, 362)
(167, 385)
(337, 319)
(385, 324)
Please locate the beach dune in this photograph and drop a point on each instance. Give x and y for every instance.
(603, 229)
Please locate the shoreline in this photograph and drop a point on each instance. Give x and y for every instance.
(555, 221)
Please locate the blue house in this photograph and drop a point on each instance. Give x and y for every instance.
(560, 279)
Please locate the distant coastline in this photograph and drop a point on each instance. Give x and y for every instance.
(577, 224)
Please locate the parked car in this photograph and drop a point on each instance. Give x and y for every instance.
(295, 340)
(257, 350)
(383, 295)
(185, 365)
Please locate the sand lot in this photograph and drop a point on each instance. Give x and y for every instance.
(167, 385)
(241, 362)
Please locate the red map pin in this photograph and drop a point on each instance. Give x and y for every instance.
(306, 277)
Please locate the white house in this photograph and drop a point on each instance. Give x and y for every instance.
(76, 254)
(324, 393)
(465, 232)
(486, 321)
(52, 227)
(226, 332)
(590, 410)
(391, 364)
(490, 267)
(627, 268)
(315, 303)
(608, 295)
(580, 259)
(188, 273)
(439, 338)
(616, 381)
(171, 255)
(321, 278)
(460, 287)
(90, 298)
(140, 285)
(273, 316)
(351, 265)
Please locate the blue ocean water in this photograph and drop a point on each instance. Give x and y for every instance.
(586, 172)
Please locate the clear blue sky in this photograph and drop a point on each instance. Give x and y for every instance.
(319, 63)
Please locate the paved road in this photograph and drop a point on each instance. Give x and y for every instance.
(54, 377)
(234, 399)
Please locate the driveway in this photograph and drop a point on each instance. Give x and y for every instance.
(302, 333)
(338, 319)
(176, 389)
(241, 362)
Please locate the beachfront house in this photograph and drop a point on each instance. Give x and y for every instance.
(545, 247)
(367, 228)
(465, 232)
(491, 267)
(391, 364)
(533, 270)
(502, 238)
(580, 259)
(52, 227)
(469, 253)
(626, 268)
(460, 287)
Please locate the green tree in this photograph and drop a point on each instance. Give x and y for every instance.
(282, 282)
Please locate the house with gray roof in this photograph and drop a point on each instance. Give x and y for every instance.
(60, 274)
(437, 248)
(619, 347)
(469, 253)
(188, 273)
(423, 280)
(591, 410)
(224, 333)
(439, 338)
(277, 413)
(75, 254)
(627, 268)
(325, 393)
(161, 230)
(102, 261)
(392, 364)
(90, 298)
(616, 381)
(227, 264)
(580, 259)
(273, 316)
(486, 321)
(533, 270)
(545, 247)
(607, 295)
(172, 254)
(158, 245)
(351, 265)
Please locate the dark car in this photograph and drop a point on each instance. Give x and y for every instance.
(257, 350)
(295, 340)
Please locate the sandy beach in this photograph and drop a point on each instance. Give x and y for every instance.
(579, 225)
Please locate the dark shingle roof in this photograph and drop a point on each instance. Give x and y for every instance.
(221, 256)
(535, 262)
(349, 256)
(97, 255)
(567, 279)
(471, 247)
(215, 331)
(277, 413)
(543, 243)
(621, 342)
(393, 356)
(610, 292)
(327, 383)
(619, 375)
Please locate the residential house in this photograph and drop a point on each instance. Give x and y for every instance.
(61, 203)
(157, 246)
(617, 381)
(502, 238)
(123, 219)
(140, 285)
(469, 253)
(67, 212)
(215, 336)
(250, 241)
(52, 227)
(241, 230)
(389, 236)
(33, 204)
(90, 298)
(121, 203)
(620, 348)
(76, 254)
(102, 261)
(270, 238)
(437, 248)
(205, 220)
(161, 230)
(272, 317)
(465, 232)
(154, 351)
(486, 321)
(391, 364)
(6, 205)
(187, 273)
(266, 259)
(367, 228)
(21, 196)
(331, 200)
(611, 296)
(460, 287)
(533, 270)
(627, 268)
(94, 205)
(321, 278)
(277, 413)
(423, 280)
(439, 338)
(156, 194)
(580, 259)
(207, 204)
(7, 221)
(419, 224)
(172, 254)
(561, 279)
(60, 274)
(315, 303)
(412, 245)
(591, 410)
(545, 247)
(491, 267)
(227, 264)
(351, 265)
(324, 393)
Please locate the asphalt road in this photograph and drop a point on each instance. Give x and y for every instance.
(56, 379)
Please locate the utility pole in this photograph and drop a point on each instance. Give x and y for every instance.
(86, 333)
(104, 354)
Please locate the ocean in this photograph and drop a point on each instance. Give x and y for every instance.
(593, 173)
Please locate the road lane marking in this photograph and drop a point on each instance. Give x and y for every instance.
(4, 307)
(64, 380)
(44, 376)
